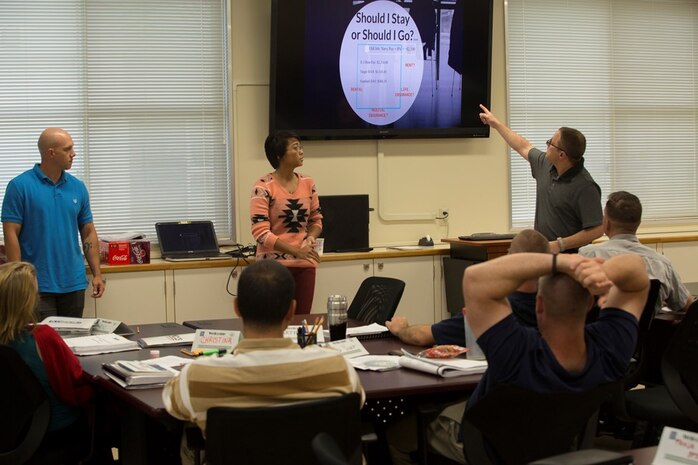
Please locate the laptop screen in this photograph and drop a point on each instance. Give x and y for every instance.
(186, 237)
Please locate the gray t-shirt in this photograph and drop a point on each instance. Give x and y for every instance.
(564, 204)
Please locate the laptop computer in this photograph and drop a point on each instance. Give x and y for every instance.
(188, 240)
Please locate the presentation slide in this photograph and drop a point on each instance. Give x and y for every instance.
(381, 62)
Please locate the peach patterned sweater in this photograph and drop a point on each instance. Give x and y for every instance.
(278, 214)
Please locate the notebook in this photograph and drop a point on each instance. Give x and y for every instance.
(188, 240)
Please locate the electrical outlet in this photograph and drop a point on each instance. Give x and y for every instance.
(442, 214)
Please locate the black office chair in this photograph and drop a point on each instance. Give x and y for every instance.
(25, 410)
(639, 366)
(326, 450)
(514, 426)
(283, 434)
(376, 300)
(26, 414)
(676, 402)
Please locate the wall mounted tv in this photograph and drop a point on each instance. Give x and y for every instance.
(352, 69)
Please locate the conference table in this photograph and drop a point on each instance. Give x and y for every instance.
(139, 408)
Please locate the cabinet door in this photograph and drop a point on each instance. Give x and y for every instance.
(137, 297)
(339, 278)
(683, 256)
(200, 294)
(417, 302)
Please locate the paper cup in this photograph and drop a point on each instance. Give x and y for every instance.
(319, 245)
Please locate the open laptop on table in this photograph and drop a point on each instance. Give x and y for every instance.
(188, 240)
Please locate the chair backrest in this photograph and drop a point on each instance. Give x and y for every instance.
(376, 300)
(513, 426)
(25, 409)
(283, 434)
(327, 451)
(638, 369)
(679, 367)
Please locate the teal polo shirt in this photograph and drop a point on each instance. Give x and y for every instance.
(50, 215)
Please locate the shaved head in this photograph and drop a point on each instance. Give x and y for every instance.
(51, 138)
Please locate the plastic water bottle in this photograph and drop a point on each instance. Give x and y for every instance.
(474, 351)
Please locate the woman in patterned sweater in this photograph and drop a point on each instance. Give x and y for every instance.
(286, 217)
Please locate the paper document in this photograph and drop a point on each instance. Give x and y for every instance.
(169, 340)
(373, 328)
(446, 368)
(376, 362)
(127, 236)
(349, 347)
(142, 373)
(100, 344)
(69, 326)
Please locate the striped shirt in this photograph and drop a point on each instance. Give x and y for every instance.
(261, 372)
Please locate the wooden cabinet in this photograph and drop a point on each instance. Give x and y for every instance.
(417, 302)
(202, 294)
(420, 274)
(684, 257)
(340, 277)
(138, 297)
(178, 293)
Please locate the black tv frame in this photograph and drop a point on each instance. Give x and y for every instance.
(292, 85)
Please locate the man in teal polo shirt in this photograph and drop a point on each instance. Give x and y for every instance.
(43, 211)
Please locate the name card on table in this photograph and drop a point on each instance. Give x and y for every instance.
(215, 339)
(677, 446)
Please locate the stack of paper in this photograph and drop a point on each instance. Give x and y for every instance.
(447, 368)
(100, 344)
(69, 326)
(72, 327)
(366, 332)
(140, 374)
(165, 341)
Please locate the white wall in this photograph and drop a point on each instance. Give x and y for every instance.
(470, 177)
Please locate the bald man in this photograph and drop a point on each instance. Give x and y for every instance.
(43, 212)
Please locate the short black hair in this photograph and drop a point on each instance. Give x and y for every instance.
(573, 143)
(276, 144)
(265, 291)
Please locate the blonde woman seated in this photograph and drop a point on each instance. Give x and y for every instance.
(48, 357)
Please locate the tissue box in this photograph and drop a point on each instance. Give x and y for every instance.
(114, 252)
(139, 251)
(124, 252)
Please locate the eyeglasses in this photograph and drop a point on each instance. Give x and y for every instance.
(550, 142)
(296, 147)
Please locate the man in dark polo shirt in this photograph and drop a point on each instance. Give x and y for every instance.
(568, 201)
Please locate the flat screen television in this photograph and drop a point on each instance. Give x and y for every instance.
(350, 69)
(345, 222)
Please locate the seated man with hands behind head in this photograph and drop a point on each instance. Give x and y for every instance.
(265, 368)
(565, 355)
(621, 219)
(452, 330)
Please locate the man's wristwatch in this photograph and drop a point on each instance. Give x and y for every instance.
(561, 244)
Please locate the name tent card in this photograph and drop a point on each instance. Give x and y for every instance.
(677, 446)
(215, 339)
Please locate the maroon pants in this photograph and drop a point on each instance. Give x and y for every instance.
(305, 288)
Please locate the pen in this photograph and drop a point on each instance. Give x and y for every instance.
(199, 352)
(138, 329)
